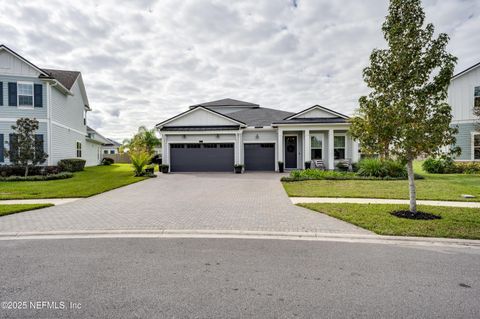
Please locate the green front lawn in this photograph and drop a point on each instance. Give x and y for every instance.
(434, 187)
(455, 223)
(17, 208)
(91, 181)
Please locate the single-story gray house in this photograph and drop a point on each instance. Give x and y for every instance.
(215, 136)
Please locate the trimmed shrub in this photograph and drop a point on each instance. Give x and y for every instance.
(13, 170)
(374, 167)
(466, 167)
(107, 161)
(442, 165)
(36, 178)
(72, 164)
(316, 174)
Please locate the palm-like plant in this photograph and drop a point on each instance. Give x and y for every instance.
(145, 139)
(140, 159)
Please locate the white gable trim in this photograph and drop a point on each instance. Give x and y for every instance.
(18, 56)
(160, 125)
(324, 109)
(473, 67)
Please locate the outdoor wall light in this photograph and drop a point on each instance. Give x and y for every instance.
(257, 137)
(218, 135)
(184, 136)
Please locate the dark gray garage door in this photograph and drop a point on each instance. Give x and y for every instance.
(260, 157)
(208, 157)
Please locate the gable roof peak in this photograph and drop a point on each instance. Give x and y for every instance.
(322, 108)
(226, 102)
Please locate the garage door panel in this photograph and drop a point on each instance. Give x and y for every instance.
(259, 157)
(202, 157)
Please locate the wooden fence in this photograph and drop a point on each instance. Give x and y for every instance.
(119, 158)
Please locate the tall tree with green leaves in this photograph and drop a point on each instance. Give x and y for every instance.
(26, 148)
(406, 111)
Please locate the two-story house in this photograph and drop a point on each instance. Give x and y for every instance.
(56, 98)
(463, 94)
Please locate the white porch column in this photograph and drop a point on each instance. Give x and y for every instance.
(165, 159)
(306, 147)
(355, 155)
(279, 147)
(331, 160)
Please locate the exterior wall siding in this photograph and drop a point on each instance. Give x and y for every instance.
(6, 130)
(7, 111)
(93, 153)
(64, 143)
(464, 140)
(461, 96)
(69, 110)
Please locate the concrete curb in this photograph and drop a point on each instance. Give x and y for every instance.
(298, 200)
(238, 234)
(54, 201)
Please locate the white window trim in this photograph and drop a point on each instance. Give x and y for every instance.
(473, 146)
(76, 149)
(26, 107)
(322, 137)
(345, 147)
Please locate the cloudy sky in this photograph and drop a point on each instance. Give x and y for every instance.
(144, 60)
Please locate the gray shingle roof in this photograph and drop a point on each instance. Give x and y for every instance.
(260, 116)
(227, 102)
(67, 78)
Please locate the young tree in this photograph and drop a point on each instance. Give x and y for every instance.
(407, 105)
(26, 148)
(476, 112)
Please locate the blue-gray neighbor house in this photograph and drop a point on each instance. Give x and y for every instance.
(463, 94)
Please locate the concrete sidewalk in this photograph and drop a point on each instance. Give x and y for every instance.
(54, 201)
(297, 200)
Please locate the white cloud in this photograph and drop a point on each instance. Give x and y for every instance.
(144, 61)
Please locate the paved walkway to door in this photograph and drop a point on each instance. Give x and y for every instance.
(214, 201)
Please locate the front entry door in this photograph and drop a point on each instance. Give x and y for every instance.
(290, 152)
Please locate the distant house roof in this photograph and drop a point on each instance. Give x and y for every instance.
(66, 78)
(112, 143)
(260, 116)
(226, 102)
(466, 70)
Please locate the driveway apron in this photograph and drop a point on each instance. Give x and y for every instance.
(200, 201)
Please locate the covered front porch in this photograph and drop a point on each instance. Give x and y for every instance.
(298, 145)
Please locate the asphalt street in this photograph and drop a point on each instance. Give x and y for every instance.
(235, 278)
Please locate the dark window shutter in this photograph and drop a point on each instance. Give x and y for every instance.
(38, 95)
(12, 93)
(11, 143)
(1, 93)
(2, 159)
(39, 138)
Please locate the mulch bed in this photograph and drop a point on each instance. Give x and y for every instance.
(418, 215)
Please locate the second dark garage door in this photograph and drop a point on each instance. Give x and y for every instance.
(259, 157)
(208, 157)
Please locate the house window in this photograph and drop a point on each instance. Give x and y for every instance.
(316, 146)
(105, 151)
(476, 146)
(476, 97)
(339, 147)
(25, 94)
(79, 149)
(112, 151)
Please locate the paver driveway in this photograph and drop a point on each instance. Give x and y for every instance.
(251, 201)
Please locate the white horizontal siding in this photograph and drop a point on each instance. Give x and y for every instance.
(68, 110)
(461, 96)
(92, 153)
(64, 143)
(464, 140)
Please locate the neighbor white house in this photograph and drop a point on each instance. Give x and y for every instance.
(463, 94)
(214, 136)
(56, 98)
